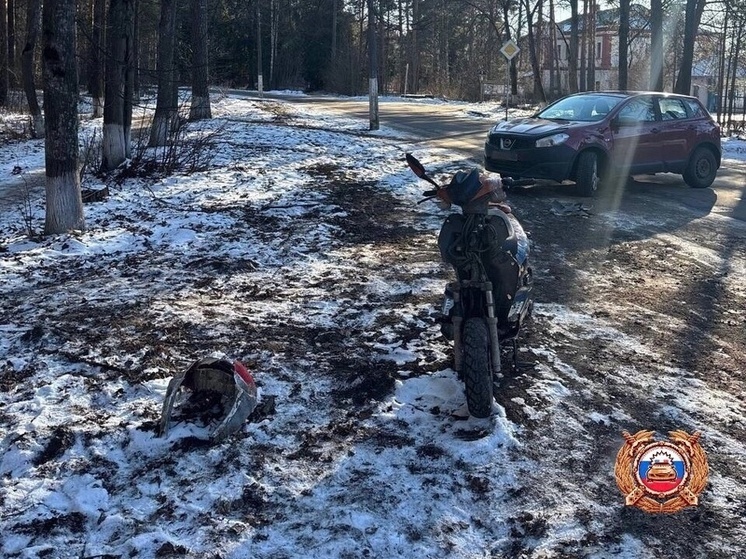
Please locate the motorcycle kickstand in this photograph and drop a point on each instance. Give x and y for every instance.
(517, 367)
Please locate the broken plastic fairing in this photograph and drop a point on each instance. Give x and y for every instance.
(232, 381)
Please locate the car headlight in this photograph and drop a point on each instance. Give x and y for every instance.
(550, 141)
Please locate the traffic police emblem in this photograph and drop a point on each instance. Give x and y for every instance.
(661, 476)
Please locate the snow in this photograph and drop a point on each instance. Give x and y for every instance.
(370, 452)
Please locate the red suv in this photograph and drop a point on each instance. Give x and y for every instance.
(587, 137)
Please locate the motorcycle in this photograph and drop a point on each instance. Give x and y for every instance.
(491, 297)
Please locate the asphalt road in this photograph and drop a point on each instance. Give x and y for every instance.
(445, 127)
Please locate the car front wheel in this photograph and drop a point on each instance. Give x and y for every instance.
(701, 169)
(587, 178)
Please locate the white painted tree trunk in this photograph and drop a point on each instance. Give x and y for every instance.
(64, 211)
(113, 146)
(64, 204)
(117, 92)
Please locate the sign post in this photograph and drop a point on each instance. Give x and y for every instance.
(509, 50)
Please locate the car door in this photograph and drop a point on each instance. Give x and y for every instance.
(678, 133)
(635, 135)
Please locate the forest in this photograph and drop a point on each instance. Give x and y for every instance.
(114, 51)
(436, 47)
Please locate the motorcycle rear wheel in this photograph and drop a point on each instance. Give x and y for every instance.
(477, 373)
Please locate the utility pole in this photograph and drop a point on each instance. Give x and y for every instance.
(373, 63)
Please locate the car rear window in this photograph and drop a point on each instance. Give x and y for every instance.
(696, 109)
(672, 109)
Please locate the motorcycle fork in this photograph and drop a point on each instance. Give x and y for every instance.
(457, 319)
(486, 288)
(489, 300)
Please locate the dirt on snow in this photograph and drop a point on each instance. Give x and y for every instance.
(640, 323)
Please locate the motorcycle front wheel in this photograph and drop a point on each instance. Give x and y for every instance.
(477, 373)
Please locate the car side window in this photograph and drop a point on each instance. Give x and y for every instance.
(637, 110)
(672, 109)
(695, 108)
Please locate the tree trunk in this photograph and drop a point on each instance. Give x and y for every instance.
(3, 54)
(415, 46)
(656, 45)
(400, 49)
(64, 206)
(732, 91)
(382, 58)
(118, 40)
(334, 30)
(591, 77)
(33, 24)
(623, 43)
(273, 31)
(539, 94)
(554, 86)
(96, 58)
(572, 62)
(165, 108)
(694, 9)
(129, 74)
(372, 69)
(12, 43)
(584, 46)
(136, 52)
(259, 55)
(721, 71)
(200, 108)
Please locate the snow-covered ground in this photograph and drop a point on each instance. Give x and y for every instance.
(301, 251)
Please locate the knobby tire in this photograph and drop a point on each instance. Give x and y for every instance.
(477, 372)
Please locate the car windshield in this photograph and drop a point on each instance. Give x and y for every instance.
(584, 108)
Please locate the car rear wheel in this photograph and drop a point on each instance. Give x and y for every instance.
(587, 178)
(701, 169)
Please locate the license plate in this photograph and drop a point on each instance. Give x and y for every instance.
(503, 155)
